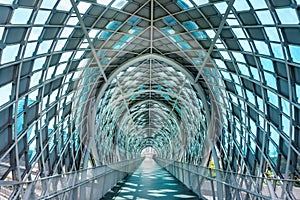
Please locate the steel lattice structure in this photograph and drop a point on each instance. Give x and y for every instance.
(90, 82)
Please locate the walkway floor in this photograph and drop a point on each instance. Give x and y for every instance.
(150, 181)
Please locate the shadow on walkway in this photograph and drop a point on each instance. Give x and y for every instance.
(150, 181)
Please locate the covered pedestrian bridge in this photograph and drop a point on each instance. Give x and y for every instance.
(212, 87)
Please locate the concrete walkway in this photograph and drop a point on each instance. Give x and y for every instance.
(150, 181)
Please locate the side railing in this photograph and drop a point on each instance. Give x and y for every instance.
(210, 183)
(91, 183)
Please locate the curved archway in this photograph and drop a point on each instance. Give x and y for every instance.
(143, 91)
(56, 59)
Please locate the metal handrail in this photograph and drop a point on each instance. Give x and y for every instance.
(43, 188)
(184, 171)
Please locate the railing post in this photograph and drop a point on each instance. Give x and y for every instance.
(182, 172)
(218, 174)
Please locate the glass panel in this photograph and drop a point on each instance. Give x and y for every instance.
(5, 92)
(69, 98)
(168, 31)
(220, 63)
(83, 7)
(295, 53)
(60, 45)
(104, 2)
(239, 32)
(48, 4)
(50, 72)
(262, 47)
(38, 63)
(277, 50)
(119, 4)
(252, 145)
(60, 69)
(32, 97)
(135, 30)
(200, 2)
(267, 64)
(273, 98)
(184, 45)
(190, 25)
(232, 21)
(210, 33)
(77, 74)
(126, 38)
(176, 38)
(51, 125)
(35, 33)
(272, 34)
(199, 35)
(285, 106)
(21, 104)
(254, 73)
(196, 61)
(31, 133)
(65, 56)
(64, 89)
(287, 16)
(72, 21)
(235, 78)
(225, 55)
(245, 45)
(35, 78)
(133, 20)
(64, 5)
(258, 4)
(30, 48)
(241, 5)
(270, 80)
(67, 31)
(6, 1)
(184, 4)
(239, 57)
(78, 54)
(44, 105)
(10, 53)
(51, 143)
(118, 45)
(298, 93)
(265, 17)
(93, 33)
(83, 63)
(42, 17)
(170, 21)
(286, 125)
(221, 7)
(21, 16)
(226, 75)
(251, 97)
(260, 104)
(234, 99)
(274, 135)
(44, 46)
(32, 150)
(104, 35)
(113, 25)
(1, 32)
(272, 152)
(20, 122)
(243, 69)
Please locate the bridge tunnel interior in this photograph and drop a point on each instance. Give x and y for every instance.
(86, 83)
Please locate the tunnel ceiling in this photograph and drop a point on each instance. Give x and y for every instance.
(150, 101)
(79, 78)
